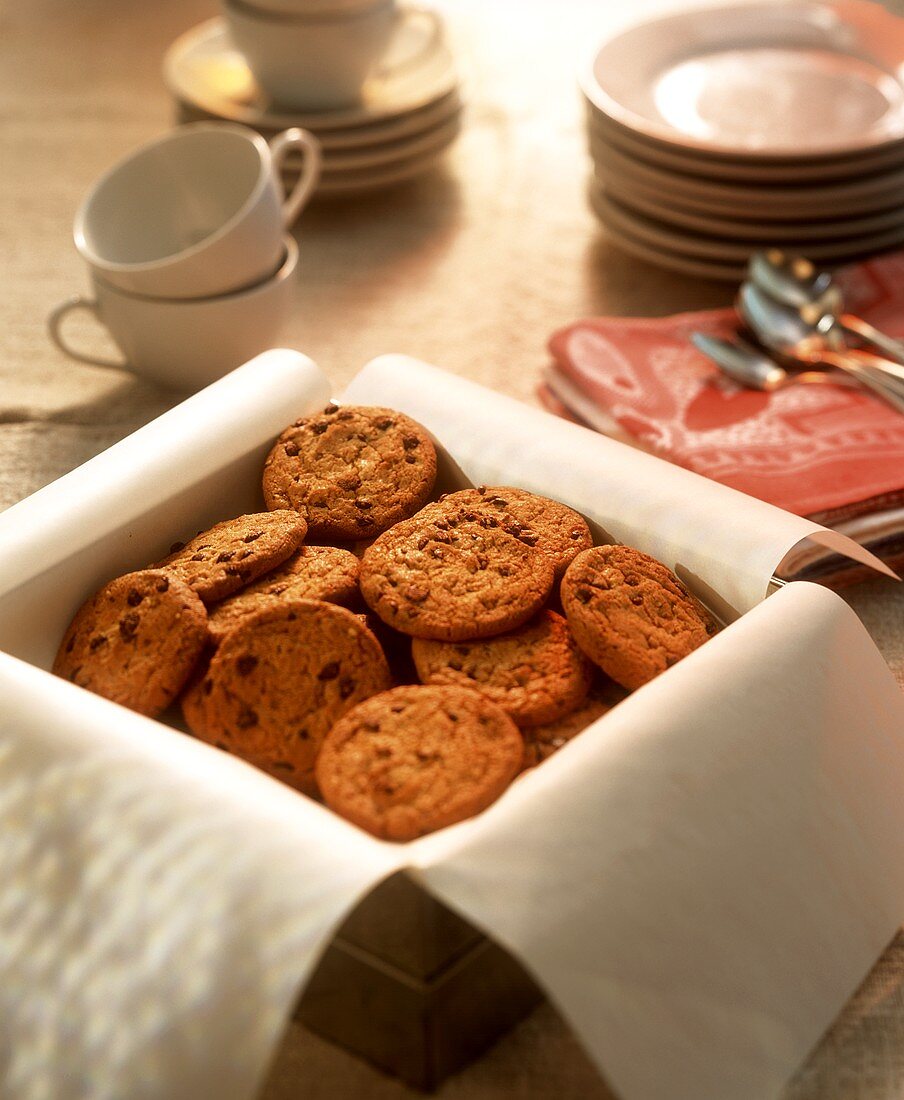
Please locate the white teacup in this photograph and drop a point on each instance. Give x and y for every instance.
(319, 61)
(186, 343)
(196, 213)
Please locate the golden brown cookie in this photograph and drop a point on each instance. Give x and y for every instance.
(630, 614)
(416, 759)
(279, 681)
(311, 573)
(231, 554)
(354, 471)
(559, 531)
(135, 641)
(541, 742)
(440, 580)
(535, 673)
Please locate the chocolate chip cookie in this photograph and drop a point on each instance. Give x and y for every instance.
(231, 554)
(416, 759)
(536, 673)
(355, 471)
(630, 614)
(135, 641)
(559, 531)
(279, 681)
(542, 741)
(311, 573)
(439, 580)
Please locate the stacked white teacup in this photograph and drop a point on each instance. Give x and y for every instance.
(315, 54)
(188, 251)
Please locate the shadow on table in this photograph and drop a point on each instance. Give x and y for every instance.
(372, 237)
(618, 284)
(538, 1058)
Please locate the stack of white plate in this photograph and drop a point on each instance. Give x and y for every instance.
(721, 131)
(408, 116)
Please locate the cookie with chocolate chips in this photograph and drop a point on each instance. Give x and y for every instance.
(630, 614)
(231, 554)
(557, 530)
(536, 673)
(541, 742)
(135, 641)
(311, 573)
(416, 759)
(452, 580)
(279, 681)
(354, 471)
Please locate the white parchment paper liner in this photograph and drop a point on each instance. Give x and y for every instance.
(725, 543)
(700, 880)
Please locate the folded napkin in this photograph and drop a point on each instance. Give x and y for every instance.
(830, 453)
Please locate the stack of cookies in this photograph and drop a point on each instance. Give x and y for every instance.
(401, 657)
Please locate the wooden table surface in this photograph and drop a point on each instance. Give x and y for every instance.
(470, 267)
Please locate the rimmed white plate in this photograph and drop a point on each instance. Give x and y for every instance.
(795, 79)
(692, 162)
(871, 194)
(204, 69)
(408, 125)
(662, 257)
(727, 251)
(370, 179)
(752, 230)
(388, 153)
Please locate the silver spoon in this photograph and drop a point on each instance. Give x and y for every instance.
(794, 281)
(782, 331)
(751, 367)
(789, 327)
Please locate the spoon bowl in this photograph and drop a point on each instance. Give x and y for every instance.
(782, 330)
(795, 282)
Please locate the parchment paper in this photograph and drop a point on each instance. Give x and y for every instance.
(712, 536)
(699, 880)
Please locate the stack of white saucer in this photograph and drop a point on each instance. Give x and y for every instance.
(374, 80)
(719, 132)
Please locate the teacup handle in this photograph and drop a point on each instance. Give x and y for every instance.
(304, 142)
(436, 32)
(55, 329)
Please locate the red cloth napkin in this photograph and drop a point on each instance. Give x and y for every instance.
(821, 451)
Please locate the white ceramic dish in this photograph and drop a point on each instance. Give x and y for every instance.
(726, 251)
(387, 175)
(751, 230)
(387, 154)
(669, 260)
(204, 69)
(185, 344)
(779, 203)
(745, 171)
(784, 80)
(406, 126)
(309, 8)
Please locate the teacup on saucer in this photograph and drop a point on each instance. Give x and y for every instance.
(204, 71)
(321, 61)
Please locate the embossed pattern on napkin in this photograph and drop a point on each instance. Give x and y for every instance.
(808, 449)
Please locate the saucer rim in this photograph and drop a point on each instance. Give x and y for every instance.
(357, 117)
(626, 116)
